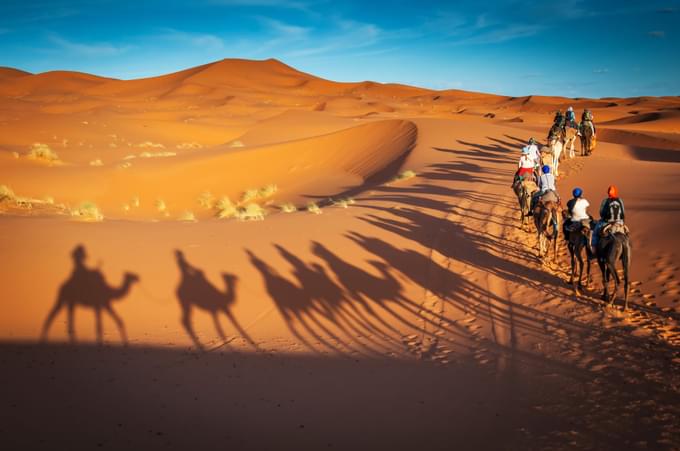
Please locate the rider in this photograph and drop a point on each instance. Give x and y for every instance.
(559, 118)
(526, 164)
(611, 212)
(570, 117)
(546, 182)
(534, 152)
(577, 211)
(587, 120)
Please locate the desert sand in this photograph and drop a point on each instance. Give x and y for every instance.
(405, 309)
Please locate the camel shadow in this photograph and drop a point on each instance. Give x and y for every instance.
(195, 290)
(88, 288)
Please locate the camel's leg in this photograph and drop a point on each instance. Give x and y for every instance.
(218, 327)
(240, 329)
(50, 318)
(186, 322)
(119, 324)
(70, 323)
(573, 268)
(588, 268)
(98, 325)
(626, 268)
(615, 276)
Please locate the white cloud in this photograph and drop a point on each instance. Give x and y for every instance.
(602, 70)
(87, 49)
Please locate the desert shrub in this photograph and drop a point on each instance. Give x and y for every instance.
(251, 212)
(135, 201)
(343, 202)
(288, 208)
(189, 145)
(267, 191)
(150, 145)
(125, 165)
(236, 144)
(312, 207)
(88, 211)
(42, 152)
(206, 199)
(156, 154)
(160, 205)
(248, 195)
(6, 193)
(405, 175)
(96, 162)
(225, 208)
(187, 216)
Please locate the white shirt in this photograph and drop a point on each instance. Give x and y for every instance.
(535, 153)
(578, 212)
(525, 161)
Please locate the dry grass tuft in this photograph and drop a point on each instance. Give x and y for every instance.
(288, 208)
(312, 207)
(251, 212)
(87, 211)
(96, 162)
(161, 206)
(225, 208)
(189, 146)
(157, 154)
(6, 193)
(187, 216)
(43, 152)
(150, 145)
(236, 143)
(206, 200)
(344, 202)
(405, 175)
(267, 191)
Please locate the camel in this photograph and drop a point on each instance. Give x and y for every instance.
(546, 216)
(195, 290)
(578, 240)
(570, 135)
(524, 190)
(555, 144)
(612, 248)
(587, 138)
(88, 288)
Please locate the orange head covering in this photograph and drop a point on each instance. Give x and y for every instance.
(612, 192)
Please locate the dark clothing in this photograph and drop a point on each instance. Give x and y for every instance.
(612, 210)
(570, 205)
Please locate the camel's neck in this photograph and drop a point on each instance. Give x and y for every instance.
(230, 288)
(123, 290)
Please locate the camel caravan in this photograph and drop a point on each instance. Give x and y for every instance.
(605, 239)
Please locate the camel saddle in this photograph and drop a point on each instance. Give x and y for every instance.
(613, 228)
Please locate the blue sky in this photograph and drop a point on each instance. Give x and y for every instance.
(573, 48)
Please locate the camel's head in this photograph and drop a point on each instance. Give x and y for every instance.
(131, 277)
(229, 279)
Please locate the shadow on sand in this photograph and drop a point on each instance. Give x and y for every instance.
(88, 288)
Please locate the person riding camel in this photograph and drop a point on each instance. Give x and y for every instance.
(570, 119)
(546, 184)
(526, 164)
(534, 152)
(559, 118)
(612, 213)
(577, 211)
(587, 121)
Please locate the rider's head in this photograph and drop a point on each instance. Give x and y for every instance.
(546, 169)
(578, 192)
(571, 108)
(532, 140)
(612, 192)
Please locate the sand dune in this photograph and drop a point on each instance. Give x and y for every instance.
(416, 315)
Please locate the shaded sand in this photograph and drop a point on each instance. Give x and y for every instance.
(419, 316)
